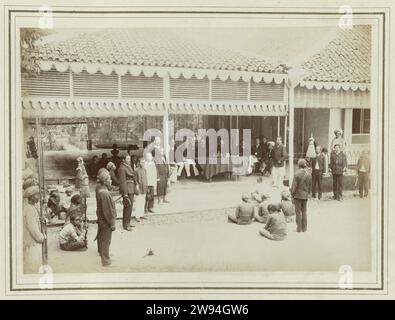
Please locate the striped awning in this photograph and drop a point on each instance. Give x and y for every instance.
(332, 98)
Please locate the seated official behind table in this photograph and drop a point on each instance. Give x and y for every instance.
(72, 236)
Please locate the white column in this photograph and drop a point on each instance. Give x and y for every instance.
(348, 126)
(291, 132)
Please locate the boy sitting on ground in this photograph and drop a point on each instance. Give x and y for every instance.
(75, 208)
(72, 236)
(55, 205)
(262, 213)
(287, 206)
(276, 226)
(256, 196)
(244, 212)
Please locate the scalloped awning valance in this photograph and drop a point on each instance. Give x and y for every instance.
(54, 107)
(331, 98)
(149, 71)
(335, 85)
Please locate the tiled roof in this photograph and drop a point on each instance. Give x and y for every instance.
(344, 59)
(150, 47)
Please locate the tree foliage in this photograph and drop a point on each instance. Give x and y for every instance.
(30, 38)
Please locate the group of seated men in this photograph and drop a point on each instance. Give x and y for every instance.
(257, 206)
(63, 206)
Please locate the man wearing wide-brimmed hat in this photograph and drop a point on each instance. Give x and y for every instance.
(115, 159)
(32, 235)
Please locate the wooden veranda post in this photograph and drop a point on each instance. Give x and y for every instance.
(291, 104)
(41, 183)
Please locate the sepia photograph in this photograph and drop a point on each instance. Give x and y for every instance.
(212, 150)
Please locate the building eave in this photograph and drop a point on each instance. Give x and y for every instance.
(173, 72)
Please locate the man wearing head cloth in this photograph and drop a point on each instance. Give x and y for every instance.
(32, 235)
(106, 215)
(28, 173)
(29, 183)
(301, 187)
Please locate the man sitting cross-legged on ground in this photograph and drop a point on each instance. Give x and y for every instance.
(276, 226)
(287, 206)
(262, 212)
(72, 236)
(244, 212)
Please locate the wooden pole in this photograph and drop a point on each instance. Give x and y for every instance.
(291, 131)
(166, 96)
(285, 130)
(41, 183)
(278, 126)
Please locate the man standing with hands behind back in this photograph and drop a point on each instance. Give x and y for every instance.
(301, 187)
(338, 166)
(126, 179)
(318, 167)
(279, 156)
(106, 215)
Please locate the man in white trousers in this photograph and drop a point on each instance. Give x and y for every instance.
(278, 171)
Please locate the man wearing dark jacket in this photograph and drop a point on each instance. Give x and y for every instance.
(257, 151)
(106, 215)
(338, 166)
(279, 156)
(301, 187)
(126, 180)
(363, 170)
(317, 170)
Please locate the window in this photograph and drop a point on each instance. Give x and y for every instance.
(361, 121)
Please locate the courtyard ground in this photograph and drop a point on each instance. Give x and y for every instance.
(202, 240)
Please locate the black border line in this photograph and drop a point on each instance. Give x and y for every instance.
(380, 13)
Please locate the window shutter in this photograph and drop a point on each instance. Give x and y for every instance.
(141, 86)
(266, 91)
(47, 83)
(192, 88)
(95, 85)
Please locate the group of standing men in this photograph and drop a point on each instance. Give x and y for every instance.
(310, 180)
(271, 158)
(137, 186)
(136, 182)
